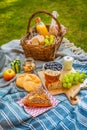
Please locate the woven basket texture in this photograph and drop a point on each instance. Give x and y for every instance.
(41, 52)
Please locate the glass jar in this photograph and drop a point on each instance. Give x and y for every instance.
(29, 65)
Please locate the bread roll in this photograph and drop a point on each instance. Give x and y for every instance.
(28, 81)
(35, 40)
(31, 82)
(41, 39)
(20, 80)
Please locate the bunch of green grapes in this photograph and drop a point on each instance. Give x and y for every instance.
(49, 40)
(73, 79)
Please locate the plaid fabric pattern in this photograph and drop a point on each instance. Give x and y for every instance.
(62, 117)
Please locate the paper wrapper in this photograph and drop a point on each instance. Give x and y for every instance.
(35, 111)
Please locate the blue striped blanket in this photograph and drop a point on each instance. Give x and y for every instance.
(62, 117)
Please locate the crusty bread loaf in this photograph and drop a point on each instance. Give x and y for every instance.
(52, 79)
(29, 82)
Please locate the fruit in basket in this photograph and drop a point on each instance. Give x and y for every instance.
(73, 79)
(36, 40)
(8, 74)
(49, 40)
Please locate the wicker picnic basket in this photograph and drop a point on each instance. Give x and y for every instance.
(41, 52)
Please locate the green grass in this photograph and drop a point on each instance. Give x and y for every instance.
(14, 15)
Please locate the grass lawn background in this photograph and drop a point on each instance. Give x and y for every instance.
(14, 15)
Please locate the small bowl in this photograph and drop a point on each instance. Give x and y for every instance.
(52, 66)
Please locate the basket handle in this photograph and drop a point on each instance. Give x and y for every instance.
(28, 27)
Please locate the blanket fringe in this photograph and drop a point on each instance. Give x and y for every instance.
(73, 48)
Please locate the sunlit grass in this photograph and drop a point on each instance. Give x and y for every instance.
(4, 2)
(14, 15)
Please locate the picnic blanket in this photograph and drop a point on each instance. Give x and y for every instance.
(64, 116)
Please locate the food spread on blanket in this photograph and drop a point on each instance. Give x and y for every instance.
(56, 76)
(64, 77)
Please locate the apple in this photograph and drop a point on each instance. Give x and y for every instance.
(8, 74)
